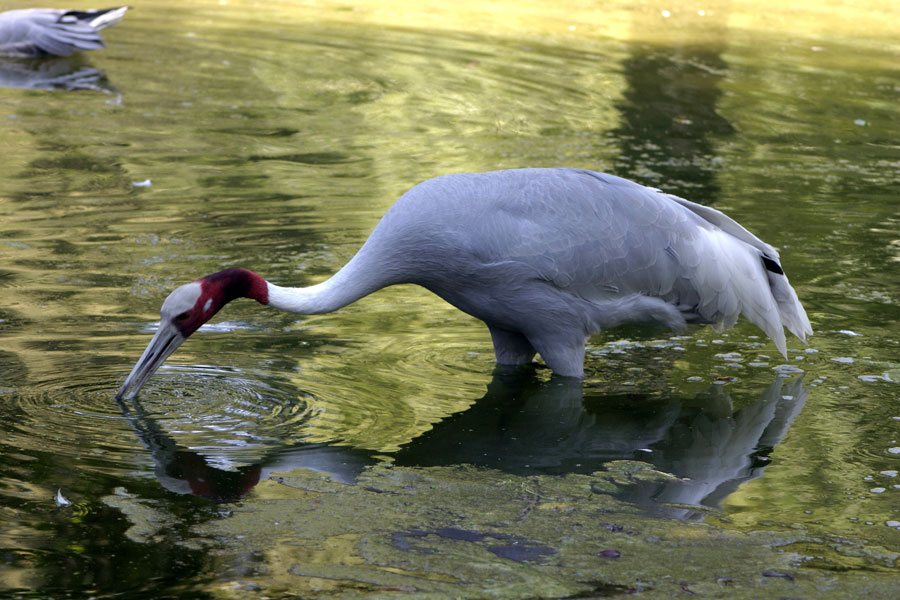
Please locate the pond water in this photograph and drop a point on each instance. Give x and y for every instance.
(273, 136)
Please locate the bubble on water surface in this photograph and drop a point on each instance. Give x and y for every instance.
(875, 378)
(787, 370)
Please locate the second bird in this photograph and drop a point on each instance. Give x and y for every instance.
(36, 32)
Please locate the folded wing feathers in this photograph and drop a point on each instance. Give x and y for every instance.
(735, 279)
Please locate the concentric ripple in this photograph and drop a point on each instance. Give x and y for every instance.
(236, 415)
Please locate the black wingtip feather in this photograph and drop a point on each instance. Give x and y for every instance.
(771, 265)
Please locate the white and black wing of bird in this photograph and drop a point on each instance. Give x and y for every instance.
(37, 32)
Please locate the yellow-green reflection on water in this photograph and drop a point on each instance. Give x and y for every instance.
(275, 135)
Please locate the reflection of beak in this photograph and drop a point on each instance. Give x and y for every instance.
(164, 343)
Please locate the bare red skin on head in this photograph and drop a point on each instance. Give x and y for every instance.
(219, 289)
(235, 283)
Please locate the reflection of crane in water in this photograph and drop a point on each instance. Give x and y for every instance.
(35, 32)
(545, 257)
(186, 471)
(525, 426)
(67, 74)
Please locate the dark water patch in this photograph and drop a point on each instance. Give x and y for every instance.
(74, 162)
(514, 548)
(246, 183)
(257, 132)
(7, 277)
(603, 589)
(522, 551)
(308, 158)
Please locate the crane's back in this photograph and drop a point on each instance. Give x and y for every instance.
(563, 253)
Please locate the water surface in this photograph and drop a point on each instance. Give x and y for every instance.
(273, 137)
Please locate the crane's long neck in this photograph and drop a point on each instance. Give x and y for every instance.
(370, 269)
(321, 298)
(348, 285)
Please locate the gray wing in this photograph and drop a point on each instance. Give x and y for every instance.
(603, 239)
(44, 31)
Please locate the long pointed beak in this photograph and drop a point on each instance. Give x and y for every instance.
(164, 343)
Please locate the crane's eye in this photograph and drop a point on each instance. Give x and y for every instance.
(183, 316)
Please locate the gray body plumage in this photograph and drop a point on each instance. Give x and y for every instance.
(37, 32)
(547, 257)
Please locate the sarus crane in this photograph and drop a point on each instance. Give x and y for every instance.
(545, 257)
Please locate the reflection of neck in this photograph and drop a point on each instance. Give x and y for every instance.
(183, 471)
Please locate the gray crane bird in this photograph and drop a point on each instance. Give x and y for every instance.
(545, 257)
(36, 32)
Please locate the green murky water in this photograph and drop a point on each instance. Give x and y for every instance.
(273, 137)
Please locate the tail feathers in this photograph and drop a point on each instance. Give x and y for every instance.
(789, 308)
(775, 306)
(757, 280)
(752, 292)
(737, 278)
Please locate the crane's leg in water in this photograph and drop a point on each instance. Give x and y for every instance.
(511, 348)
(563, 352)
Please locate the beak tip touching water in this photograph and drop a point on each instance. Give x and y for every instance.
(120, 395)
(164, 343)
